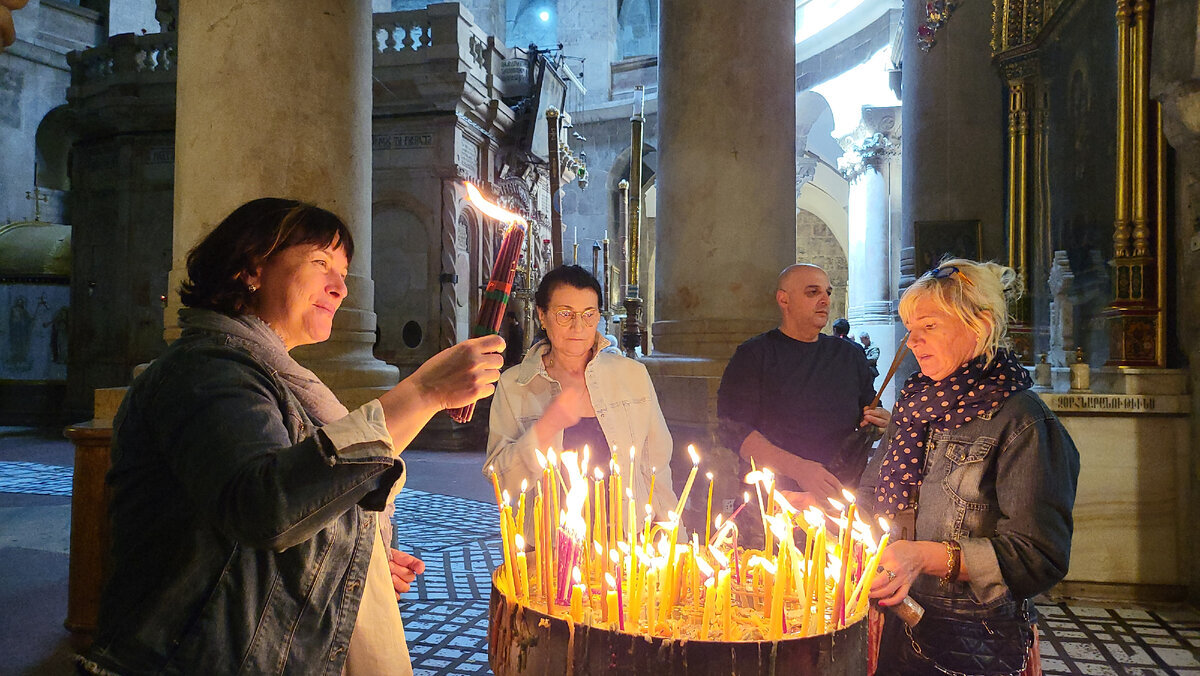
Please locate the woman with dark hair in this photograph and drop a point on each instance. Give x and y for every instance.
(244, 494)
(568, 392)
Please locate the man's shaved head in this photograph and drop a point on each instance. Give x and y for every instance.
(803, 299)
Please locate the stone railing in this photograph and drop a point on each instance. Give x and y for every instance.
(441, 38)
(124, 59)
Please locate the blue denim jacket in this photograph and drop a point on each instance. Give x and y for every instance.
(241, 536)
(1003, 485)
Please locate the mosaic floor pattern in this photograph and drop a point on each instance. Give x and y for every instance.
(446, 615)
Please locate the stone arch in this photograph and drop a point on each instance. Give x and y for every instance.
(814, 128)
(816, 244)
(52, 145)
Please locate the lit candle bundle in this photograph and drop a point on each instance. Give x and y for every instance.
(653, 582)
(495, 296)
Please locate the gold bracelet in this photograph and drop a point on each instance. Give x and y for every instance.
(953, 561)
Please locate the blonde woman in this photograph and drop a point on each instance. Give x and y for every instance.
(990, 474)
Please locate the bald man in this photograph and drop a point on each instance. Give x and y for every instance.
(790, 397)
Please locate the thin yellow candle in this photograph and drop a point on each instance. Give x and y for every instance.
(782, 568)
(610, 599)
(819, 577)
(653, 473)
(495, 483)
(632, 512)
(862, 592)
(726, 604)
(577, 592)
(694, 590)
(537, 539)
(521, 508)
(710, 602)
(651, 589)
(708, 512)
(634, 585)
(687, 486)
(522, 570)
(506, 533)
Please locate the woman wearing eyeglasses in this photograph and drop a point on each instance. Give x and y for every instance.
(988, 475)
(569, 392)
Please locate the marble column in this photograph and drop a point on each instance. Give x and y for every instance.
(726, 210)
(874, 225)
(954, 121)
(274, 99)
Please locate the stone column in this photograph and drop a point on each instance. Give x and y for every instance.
(873, 289)
(726, 212)
(274, 100)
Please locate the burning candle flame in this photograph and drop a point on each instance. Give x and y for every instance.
(692, 452)
(520, 541)
(494, 210)
(848, 495)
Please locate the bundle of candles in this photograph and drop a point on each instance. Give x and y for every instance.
(495, 296)
(599, 560)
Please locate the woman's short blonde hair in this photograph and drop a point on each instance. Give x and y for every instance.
(976, 293)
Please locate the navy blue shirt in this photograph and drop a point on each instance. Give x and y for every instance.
(805, 398)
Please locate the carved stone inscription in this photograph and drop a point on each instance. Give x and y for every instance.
(401, 141)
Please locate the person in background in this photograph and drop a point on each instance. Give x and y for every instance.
(514, 339)
(790, 397)
(990, 474)
(570, 392)
(872, 353)
(245, 535)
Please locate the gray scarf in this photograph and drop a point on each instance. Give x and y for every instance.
(264, 344)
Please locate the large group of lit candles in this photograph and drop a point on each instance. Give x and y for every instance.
(606, 563)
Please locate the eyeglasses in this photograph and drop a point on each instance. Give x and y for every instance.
(565, 317)
(949, 271)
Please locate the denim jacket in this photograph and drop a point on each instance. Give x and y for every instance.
(1003, 485)
(626, 408)
(241, 534)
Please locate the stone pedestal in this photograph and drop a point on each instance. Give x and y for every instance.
(274, 100)
(726, 205)
(1131, 538)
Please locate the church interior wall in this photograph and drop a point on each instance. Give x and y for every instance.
(816, 243)
(33, 80)
(122, 201)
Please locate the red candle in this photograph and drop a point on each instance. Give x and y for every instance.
(495, 296)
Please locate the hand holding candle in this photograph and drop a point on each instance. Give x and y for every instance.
(495, 296)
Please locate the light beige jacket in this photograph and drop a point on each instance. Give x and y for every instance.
(626, 407)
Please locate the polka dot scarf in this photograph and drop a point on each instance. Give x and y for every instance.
(949, 403)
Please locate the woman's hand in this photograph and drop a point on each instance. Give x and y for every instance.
(461, 374)
(564, 411)
(405, 568)
(902, 561)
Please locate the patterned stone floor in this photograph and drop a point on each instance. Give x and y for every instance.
(446, 616)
